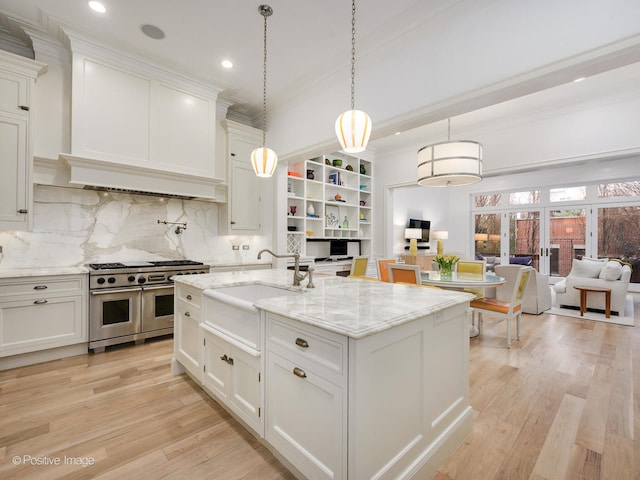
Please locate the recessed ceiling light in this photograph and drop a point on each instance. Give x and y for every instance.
(579, 79)
(226, 64)
(97, 7)
(397, 133)
(152, 31)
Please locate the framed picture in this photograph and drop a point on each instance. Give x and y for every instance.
(332, 216)
(333, 178)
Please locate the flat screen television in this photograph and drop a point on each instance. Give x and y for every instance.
(337, 248)
(424, 225)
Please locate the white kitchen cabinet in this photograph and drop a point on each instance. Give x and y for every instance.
(327, 201)
(306, 397)
(187, 335)
(38, 313)
(243, 211)
(233, 375)
(17, 78)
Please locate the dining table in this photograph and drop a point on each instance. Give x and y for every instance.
(462, 282)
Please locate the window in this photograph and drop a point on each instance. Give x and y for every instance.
(567, 194)
(625, 189)
(524, 198)
(488, 200)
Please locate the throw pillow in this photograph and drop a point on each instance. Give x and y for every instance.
(585, 268)
(611, 271)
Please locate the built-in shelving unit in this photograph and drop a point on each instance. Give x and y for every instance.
(328, 200)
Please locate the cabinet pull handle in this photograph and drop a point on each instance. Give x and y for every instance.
(39, 302)
(299, 372)
(301, 342)
(187, 314)
(40, 287)
(23, 210)
(224, 358)
(23, 107)
(230, 361)
(189, 297)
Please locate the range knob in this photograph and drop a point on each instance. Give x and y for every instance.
(131, 278)
(112, 280)
(142, 280)
(101, 280)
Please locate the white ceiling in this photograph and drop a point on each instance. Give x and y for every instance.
(307, 42)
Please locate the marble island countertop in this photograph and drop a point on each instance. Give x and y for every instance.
(352, 307)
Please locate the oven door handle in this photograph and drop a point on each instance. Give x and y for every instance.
(107, 291)
(158, 287)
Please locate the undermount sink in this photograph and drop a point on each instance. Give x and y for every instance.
(230, 310)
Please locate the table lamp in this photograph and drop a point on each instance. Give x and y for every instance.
(441, 235)
(413, 235)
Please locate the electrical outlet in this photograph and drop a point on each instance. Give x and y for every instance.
(245, 247)
(235, 247)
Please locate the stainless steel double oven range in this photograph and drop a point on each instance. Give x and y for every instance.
(131, 301)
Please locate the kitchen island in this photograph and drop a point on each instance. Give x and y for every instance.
(353, 379)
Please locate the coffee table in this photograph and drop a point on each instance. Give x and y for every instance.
(584, 291)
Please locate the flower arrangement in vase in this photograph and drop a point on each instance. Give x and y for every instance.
(446, 263)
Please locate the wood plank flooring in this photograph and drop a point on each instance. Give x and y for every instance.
(562, 403)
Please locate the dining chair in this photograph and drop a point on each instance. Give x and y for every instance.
(505, 309)
(400, 273)
(359, 266)
(383, 270)
(472, 270)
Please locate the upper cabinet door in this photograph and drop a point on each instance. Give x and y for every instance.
(14, 199)
(13, 94)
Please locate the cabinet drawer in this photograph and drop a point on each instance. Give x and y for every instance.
(186, 309)
(310, 345)
(37, 286)
(189, 296)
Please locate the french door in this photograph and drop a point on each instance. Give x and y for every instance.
(550, 238)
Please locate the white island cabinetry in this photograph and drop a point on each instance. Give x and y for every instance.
(360, 379)
(187, 337)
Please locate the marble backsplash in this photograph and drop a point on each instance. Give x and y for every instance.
(74, 226)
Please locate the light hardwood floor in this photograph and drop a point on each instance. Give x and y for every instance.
(563, 403)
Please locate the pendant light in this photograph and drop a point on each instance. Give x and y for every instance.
(353, 127)
(263, 159)
(450, 164)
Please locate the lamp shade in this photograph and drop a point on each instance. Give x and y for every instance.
(353, 129)
(449, 164)
(264, 161)
(441, 235)
(415, 233)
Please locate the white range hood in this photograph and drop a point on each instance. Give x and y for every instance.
(108, 175)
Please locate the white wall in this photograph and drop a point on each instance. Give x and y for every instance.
(496, 50)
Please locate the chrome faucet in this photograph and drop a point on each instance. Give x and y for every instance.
(297, 276)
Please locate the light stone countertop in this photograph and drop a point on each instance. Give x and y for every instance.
(352, 307)
(41, 271)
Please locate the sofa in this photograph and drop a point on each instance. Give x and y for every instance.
(493, 260)
(600, 273)
(537, 293)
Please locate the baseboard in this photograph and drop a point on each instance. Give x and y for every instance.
(31, 358)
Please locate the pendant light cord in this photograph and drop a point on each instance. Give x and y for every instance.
(353, 54)
(264, 83)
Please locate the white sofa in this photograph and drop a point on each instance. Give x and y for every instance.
(600, 273)
(537, 294)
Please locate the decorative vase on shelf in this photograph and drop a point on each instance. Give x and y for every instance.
(363, 170)
(311, 210)
(310, 175)
(345, 223)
